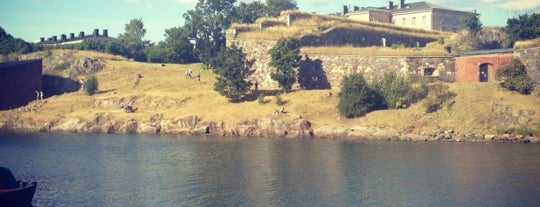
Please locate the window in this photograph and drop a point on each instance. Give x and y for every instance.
(403, 21)
(413, 22)
(424, 20)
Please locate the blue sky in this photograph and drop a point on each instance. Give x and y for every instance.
(32, 19)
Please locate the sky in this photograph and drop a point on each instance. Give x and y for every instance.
(32, 19)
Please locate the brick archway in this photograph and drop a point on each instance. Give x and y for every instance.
(485, 72)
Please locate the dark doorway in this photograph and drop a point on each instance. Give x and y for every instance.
(484, 75)
(429, 71)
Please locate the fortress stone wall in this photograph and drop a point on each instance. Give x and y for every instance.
(320, 71)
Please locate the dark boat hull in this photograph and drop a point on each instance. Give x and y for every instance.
(20, 196)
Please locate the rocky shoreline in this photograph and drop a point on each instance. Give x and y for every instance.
(289, 127)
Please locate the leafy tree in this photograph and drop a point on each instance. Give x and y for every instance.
(276, 6)
(249, 12)
(524, 27)
(91, 85)
(9, 44)
(285, 58)
(157, 53)
(473, 23)
(356, 97)
(179, 48)
(514, 77)
(232, 69)
(206, 26)
(132, 38)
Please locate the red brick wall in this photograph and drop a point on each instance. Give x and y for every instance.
(468, 67)
(18, 83)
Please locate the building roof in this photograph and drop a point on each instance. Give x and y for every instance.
(483, 52)
(10, 64)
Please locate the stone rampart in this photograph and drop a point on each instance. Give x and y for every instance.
(529, 57)
(321, 71)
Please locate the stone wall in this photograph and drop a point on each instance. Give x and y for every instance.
(321, 71)
(19, 81)
(362, 38)
(530, 58)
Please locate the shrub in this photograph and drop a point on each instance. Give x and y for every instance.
(438, 95)
(522, 130)
(91, 85)
(397, 92)
(356, 98)
(514, 77)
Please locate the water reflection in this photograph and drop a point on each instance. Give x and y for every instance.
(127, 170)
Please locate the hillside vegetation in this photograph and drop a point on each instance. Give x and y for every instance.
(305, 23)
(164, 92)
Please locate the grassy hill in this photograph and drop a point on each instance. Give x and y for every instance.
(164, 92)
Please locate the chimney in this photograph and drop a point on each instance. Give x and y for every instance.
(356, 8)
(401, 4)
(54, 38)
(96, 32)
(63, 37)
(390, 5)
(71, 35)
(345, 10)
(105, 33)
(81, 34)
(42, 39)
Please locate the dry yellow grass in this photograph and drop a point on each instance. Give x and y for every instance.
(166, 93)
(527, 44)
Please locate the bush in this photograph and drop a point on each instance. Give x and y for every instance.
(522, 130)
(91, 85)
(356, 98)
(514, 77)
(397, 92)
(438, 95)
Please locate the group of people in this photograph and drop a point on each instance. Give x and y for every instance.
(39, 95)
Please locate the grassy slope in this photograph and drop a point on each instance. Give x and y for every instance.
(164, 91)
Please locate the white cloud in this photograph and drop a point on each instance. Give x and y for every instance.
(518, 4)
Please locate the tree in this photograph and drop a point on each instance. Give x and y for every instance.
(9, 44)
(356, 98)
(206, 26)
(276, 6)
(514, 77)
(524, 27)
(285, 58)
(473, 23)
(232, 69)
(132, 39)
(248, 13)
(91, 85)
(179, 48)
